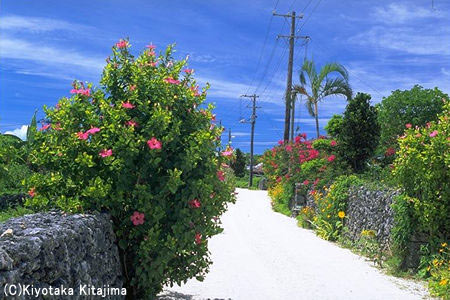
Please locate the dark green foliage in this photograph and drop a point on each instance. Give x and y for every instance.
(238, 165)
(360, 132)
(416, 106)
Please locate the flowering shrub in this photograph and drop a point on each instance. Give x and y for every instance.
(142, 148)
(305, 217)
(312, 163)
(439, 272)
(332, 205)
(422, 169)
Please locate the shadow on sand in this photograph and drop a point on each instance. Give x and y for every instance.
(168, 295)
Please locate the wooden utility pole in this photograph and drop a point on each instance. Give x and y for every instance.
(252, 122)
(292, 116)
(292, 36)
(229, 136)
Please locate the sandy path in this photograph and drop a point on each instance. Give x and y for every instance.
(264, 255)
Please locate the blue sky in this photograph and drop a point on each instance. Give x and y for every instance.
(385, 45)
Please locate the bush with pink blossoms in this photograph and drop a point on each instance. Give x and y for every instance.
(140, 146)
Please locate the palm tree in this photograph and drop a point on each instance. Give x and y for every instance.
(321, 86)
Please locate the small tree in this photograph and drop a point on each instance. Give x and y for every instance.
(334, 126)
(416, 106)
(238, 165)
(360, 131)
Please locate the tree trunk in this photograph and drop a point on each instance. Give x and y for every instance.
(317, 118)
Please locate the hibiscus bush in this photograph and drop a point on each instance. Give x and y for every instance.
(421, 167)
(144, 148)
(313, 164)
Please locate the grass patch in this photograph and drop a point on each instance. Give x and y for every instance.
(13, 213)
(242, 182)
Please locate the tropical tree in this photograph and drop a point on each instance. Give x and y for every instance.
(321, 85)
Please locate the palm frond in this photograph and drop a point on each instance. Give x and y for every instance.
(330, 68)
(310, 107)
(336, 86)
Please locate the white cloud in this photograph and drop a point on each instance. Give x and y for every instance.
(53, 56)
(33, 24)
(19, 132)
(398, 13)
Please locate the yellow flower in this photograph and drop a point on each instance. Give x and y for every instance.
(341, 214)
(444, 244)
(443, 282)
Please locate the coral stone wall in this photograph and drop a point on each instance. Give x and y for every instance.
(54, 249)
(371, 210)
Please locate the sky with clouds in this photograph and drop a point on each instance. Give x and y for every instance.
(385, 45)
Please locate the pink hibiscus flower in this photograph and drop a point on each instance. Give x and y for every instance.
(131, 123)
(194, 203)
(93, 130)
(434, 133)
(137, 218)
(171, 80)
(151, 47)
(306, 182)
(331, 158)
(153, 143)
(105, 153)
(128, 105)
(198, 238)
(122, 44)
(289, 148)
(82, 135)
(316, 181)
(188, 71)
(221, 175)
(333, 143)
(408, 125)
(82, 91)
(45, 127)
(228, 152)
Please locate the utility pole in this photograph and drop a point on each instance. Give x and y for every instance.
(252, 122)
(292, 36)
(229, 136)
(293, 116)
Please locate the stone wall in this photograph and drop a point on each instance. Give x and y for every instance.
(54, 250)
(371, 210)
(368, 209)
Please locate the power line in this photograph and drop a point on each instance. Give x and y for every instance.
(263, 47)
(309, 16)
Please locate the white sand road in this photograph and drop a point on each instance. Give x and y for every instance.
(265, 255)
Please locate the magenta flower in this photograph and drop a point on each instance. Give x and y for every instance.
(316, 181)
(45, 127)
(221, 175)
(297, 139)
(434, 133)
(171, 80)
(153, 143)
(333, 143)
(194, 203)
(188, 71)
(128, 105)
(331, 158)
(408, 125)
(105, 153)
(228, 152)
(198, 238)
(194, 89)
(137, 218)
(132, 123)
(306, 182)
(280, 142)
(289, 148)
(151, 47)
(122, 44)
(93, 130)
(82, 91)
(82, 135)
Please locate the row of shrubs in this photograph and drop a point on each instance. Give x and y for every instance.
(403, 142)
(144, 147)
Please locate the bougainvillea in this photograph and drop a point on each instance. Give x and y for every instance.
(141, 147)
